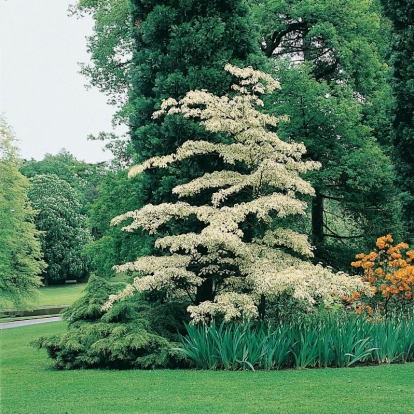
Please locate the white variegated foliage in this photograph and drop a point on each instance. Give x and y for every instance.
(261, 266)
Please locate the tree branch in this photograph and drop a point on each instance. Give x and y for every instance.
(332, 198)
(337, 236)
(277, 37)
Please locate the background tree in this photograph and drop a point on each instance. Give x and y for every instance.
(401, 14)
(65, 233)
(21, 263)
(356, 198)
(110, 47)
(111, 246)
(335, 37)
(328, 58)
(83, 177)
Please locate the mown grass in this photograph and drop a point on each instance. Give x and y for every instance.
(52, 296)
(61, 295)
(29, 385)
(67, 294)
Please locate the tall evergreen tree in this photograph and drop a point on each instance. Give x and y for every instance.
(401, 14)
(175, 47)
(181, 46)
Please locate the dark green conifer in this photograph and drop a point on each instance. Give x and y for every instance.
(181, 46)
(401, 14)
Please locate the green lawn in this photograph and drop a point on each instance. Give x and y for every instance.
(66, 294)
(29, 385)
(62, 294)
(54, 296)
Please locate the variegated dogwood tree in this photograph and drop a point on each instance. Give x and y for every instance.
(243, 256)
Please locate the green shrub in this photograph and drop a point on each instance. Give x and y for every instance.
(88, 307)
(111, 346)
(134, 333)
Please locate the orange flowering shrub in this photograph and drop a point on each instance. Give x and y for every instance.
(390, 272)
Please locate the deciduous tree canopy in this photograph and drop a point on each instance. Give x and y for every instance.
(64, 227)
(21, 263)
(328, 56)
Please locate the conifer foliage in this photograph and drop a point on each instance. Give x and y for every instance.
(244, 254)
(401, 14)
(181, 46)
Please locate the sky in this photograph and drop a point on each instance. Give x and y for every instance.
(42, 95)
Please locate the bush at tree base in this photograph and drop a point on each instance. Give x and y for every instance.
(133, 334)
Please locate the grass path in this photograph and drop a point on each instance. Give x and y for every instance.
(29, 385)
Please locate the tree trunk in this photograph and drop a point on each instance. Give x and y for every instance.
(317, 217)
(262, 307)
(205, 291)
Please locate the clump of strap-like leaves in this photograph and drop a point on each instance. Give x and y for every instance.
(244, 256)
